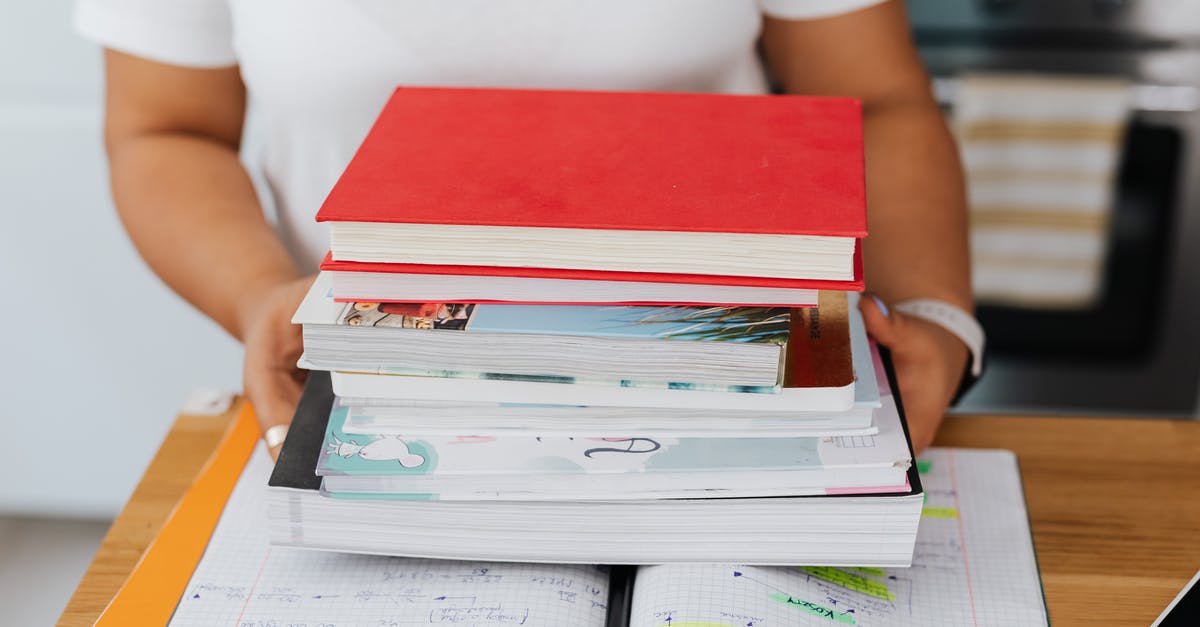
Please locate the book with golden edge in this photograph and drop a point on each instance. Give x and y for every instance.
(818, 375)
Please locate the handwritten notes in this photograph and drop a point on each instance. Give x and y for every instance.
(813, 608)
(243, 582)
(974, 565)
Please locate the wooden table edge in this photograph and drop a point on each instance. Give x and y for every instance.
(184, 451)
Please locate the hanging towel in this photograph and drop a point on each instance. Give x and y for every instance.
(1041, 155)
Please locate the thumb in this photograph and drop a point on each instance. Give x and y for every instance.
(274, 394)
(886, 327)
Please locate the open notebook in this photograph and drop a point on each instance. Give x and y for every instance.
(974, 565)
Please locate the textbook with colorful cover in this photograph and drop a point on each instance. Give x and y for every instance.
(457, 416)
(818, 376)
(603, 181)
(719, 347)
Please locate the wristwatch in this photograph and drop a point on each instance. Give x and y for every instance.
(958, 322)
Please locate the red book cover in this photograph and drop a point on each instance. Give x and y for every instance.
(330, 264)
(603, 160)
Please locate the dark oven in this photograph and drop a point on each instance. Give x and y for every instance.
(1136, 349)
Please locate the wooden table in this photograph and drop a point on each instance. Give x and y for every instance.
(1115, 506)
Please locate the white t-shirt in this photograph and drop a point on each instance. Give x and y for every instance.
(318, 71)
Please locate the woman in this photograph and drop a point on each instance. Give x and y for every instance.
(179, 75)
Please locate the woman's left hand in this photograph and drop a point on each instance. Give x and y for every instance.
(929, 363)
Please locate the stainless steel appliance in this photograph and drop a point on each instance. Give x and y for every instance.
(1137, 351)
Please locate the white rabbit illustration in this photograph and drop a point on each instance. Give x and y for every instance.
(386, 448)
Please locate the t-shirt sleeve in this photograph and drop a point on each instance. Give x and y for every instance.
(811, 9)
(194, 33)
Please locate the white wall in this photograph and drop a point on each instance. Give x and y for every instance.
(96, 354)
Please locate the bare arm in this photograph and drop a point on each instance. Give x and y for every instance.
(915, 192)
(918, 244)
(172, 135)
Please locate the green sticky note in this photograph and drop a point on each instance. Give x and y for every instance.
(812, 608)
(858, 583)
(870, 570)
(939, 512)
(924, 466)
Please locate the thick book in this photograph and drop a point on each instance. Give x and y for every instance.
(768, 530)
(614, 467)
(722, 347)
(818, 376)
(758, 186)
(406, 282)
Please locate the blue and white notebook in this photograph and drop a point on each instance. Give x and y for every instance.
(616, 467)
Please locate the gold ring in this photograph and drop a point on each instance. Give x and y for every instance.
(274, 436)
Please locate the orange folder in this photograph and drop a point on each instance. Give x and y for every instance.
(153, 589)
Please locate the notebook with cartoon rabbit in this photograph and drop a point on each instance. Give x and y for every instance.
(521, 466)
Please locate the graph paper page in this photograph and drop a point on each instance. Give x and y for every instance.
(243, 582)
(974, 565)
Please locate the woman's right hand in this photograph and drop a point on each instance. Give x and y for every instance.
(273, 344)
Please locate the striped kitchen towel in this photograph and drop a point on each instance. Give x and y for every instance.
(1041, 155)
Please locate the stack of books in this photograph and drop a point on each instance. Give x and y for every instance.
(598, 328)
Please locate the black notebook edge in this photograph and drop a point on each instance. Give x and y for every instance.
(914, 477)
(297, 464)
(620, 595)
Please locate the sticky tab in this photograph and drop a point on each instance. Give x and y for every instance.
(851, 581)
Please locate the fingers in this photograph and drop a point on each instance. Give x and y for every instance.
(274, 393)
(887, 327)
(275, 400)
(273, 437)
(271, 379)
(920, 366)
(923, 415)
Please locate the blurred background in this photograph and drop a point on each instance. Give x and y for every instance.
(98, 354)
(1079, 122)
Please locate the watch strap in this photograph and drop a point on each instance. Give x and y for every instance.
(952, 318)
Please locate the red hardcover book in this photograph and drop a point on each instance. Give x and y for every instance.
(698, 184)
(398, 282)
(332, 265)
(602, 160)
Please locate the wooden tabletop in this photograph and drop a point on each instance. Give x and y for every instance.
(1115, 507)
